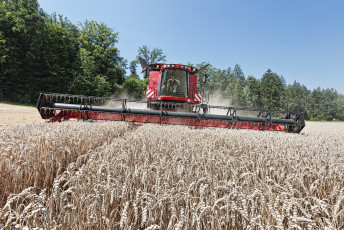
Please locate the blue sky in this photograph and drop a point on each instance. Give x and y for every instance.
(301, 40)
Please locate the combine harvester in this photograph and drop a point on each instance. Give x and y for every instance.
(173, 97)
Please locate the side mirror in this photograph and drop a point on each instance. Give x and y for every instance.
(145, 73)
(205, 78)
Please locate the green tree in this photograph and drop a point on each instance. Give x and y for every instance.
(219, 80)
(86, 80)
(316, 102)
(39, 52)
(150, 56)
(238, 73)
(295, 97)
(235, 87)
(21, 30)
(252, 92)
(135, 87)
(329, 105)
(340, 107)
(132, 67)
(326, 104)
(271, 90)
(60, 54)
(100, 41)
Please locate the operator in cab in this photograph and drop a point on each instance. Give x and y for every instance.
(173, 85)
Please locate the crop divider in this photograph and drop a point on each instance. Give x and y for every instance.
(85, 108)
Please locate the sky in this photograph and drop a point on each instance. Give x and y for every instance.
(301, 40)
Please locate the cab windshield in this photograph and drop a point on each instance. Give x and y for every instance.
(174, 82)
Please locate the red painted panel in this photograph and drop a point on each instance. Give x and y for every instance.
(153, 81)
(192, 86)
(61, 115)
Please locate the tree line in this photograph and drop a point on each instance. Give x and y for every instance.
(272, 92)
(47, 53)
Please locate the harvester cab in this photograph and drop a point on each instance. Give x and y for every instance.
(173, 97)
(175, 83)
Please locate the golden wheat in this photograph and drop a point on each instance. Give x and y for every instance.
(32, 155)
(172, 177)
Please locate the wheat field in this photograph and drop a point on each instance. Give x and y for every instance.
(112, 175)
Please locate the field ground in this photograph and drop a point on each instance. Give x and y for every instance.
(14, 114)
(112, 175)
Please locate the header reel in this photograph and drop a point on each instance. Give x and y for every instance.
(58, 107)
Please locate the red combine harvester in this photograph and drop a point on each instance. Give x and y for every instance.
(173, 97)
